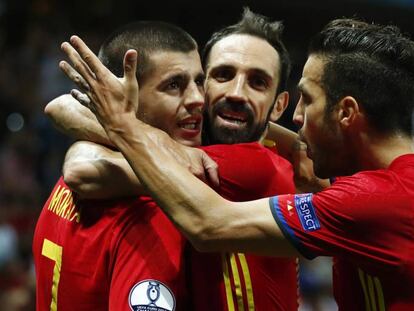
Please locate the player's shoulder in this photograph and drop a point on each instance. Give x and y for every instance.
(242, 149)
(396, 179)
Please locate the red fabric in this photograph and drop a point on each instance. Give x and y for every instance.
(367, 224)
(247, 172)
(117, 244)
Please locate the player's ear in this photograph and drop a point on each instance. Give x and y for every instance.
(280, 106)
(348, 112)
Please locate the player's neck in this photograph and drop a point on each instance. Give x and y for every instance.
(379, 151)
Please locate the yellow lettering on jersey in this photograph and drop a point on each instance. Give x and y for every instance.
(76, 216)
(54, 253)
(62, 204)
(55, 198)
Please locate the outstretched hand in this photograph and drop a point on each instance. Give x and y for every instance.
(112, 99)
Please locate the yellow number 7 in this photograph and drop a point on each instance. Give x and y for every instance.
(53, 252)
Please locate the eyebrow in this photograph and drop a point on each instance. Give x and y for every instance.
(259, 71)
(181, 77)
(176, 76)
(263, 73)
(220, 66)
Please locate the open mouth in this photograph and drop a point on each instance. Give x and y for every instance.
(191, 124)
(232, 117)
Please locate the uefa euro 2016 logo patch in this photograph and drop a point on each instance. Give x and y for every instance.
(306, 212)
(151, 295)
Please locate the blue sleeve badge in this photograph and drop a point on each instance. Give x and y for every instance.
(306, 212)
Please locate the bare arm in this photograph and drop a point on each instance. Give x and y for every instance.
(97, 172)
(291, 148)
(285, 140)
(209, 221)
(75, 120)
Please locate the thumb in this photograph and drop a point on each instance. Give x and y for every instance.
(130, 66)
(211, 168)
(130, 78)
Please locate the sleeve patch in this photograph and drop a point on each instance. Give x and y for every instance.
(306, 212)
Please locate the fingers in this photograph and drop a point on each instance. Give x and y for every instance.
(211, 168)
(74, 76)
(81, 97)
(130, 69)
(78, 64)
(88, 56)
(130, 65)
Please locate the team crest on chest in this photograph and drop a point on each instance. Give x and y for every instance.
(151, 295)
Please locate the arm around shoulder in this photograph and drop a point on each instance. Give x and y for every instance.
(75, 120)
(97, 172)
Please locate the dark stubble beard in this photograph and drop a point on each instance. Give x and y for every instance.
(214, 134)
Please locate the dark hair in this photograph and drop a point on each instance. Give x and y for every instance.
(145, 37)
(372, 63)
(258, 26)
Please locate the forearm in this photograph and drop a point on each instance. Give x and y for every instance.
(285, 140)
(101, 179)
(210, 222)
(96, 172)
(291, 148)
(72, 119)
(199, 212)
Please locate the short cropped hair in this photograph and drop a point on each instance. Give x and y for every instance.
(146, 37)
(372, 63)
(258, 26)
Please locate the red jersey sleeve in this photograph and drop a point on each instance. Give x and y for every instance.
(358, 217)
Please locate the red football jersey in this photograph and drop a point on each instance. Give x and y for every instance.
(126, 254)
(366, 221)
(100, 255)
(240, 281)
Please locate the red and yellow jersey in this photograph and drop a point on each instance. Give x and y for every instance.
(366, 222)
(126, 254)
(239, 281)
(100, 255)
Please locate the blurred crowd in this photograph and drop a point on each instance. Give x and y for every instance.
(31, 151)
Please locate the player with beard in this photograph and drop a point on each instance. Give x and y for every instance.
(355, 116)
(246, 75)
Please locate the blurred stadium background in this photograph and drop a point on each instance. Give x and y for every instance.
(31, 151)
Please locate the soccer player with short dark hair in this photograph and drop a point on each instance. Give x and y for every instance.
(354, 113)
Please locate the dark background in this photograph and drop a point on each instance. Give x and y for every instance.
(31, 151)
